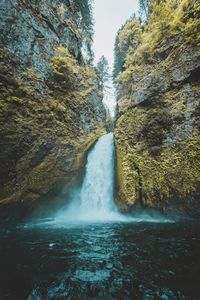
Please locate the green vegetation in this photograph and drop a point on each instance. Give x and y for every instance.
(43, 126)
(85, 8)
(127, 39)
(169, 177)
(167, 19)
(144, 8)
(157, 123)
(65, 68)
(157, 80)
(68, 75)
(102, 71)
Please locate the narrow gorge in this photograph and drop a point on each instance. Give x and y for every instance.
(52, 110)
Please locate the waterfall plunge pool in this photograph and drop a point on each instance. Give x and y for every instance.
(101, 261)
(91, 251)
(94, 201)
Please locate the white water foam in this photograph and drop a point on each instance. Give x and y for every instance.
(97, 193)
(94, 202)
(96, 197)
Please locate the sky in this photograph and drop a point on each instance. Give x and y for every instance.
(109, 15)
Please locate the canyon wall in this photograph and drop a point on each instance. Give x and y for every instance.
(157, 74)
(51, 109)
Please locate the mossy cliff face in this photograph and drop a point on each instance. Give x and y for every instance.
(157, 130)
(32, 29)
(51, 111)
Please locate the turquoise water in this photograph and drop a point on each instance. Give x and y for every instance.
(89, 250)
(115, 260)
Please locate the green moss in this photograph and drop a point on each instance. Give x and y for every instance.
(158, 91)
(58, 107)
(64, 67)
(147, 165)
(42, 135)
(167, 20)
(171, 177)
(156, 124)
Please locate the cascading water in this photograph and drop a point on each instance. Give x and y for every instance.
(97, 193)
(95, 200)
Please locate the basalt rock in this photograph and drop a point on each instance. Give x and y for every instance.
(46, 125)
(157, 129)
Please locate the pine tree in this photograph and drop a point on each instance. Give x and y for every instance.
(127, 37)
(85, 9)
(119, 58)
(103, 75)
(144, 8)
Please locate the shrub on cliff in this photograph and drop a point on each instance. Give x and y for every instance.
(128, 38)
(166, 19)
(70, 77)
(64, 67)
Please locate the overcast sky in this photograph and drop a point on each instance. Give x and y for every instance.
(109, 15)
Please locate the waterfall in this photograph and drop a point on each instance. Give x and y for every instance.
(95, 200)
(97, 193)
